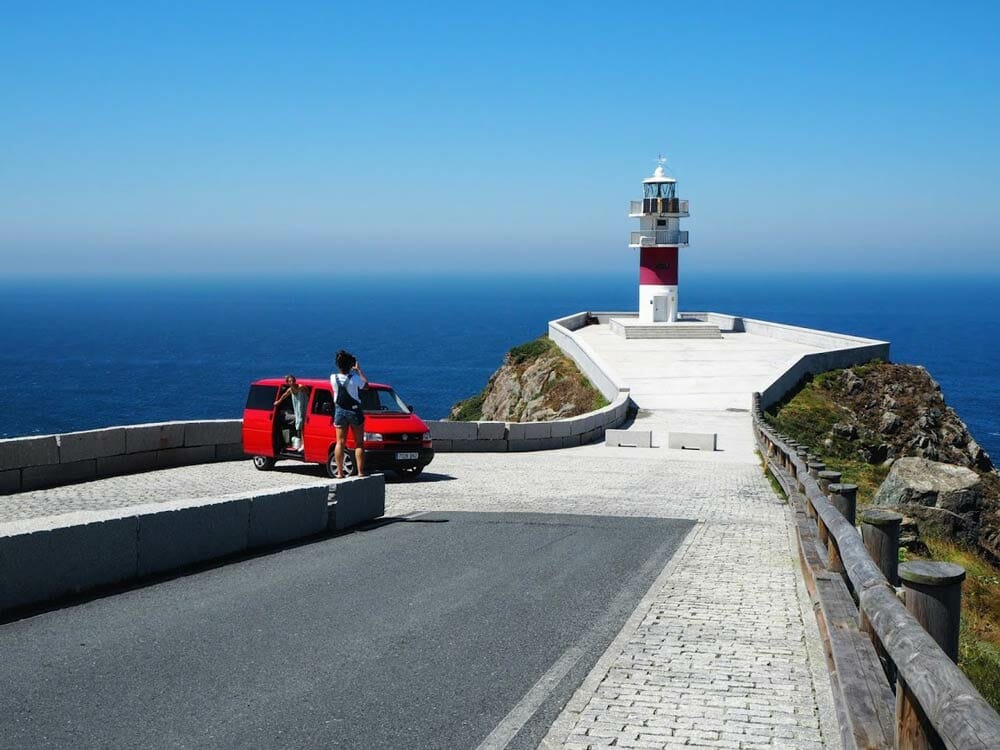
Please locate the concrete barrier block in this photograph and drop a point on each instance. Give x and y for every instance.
(40, 565)
(10, 481)
(357, 501)
(570, 441)
(130, 463)
(523, 445)
(172, 457)
(529, 430)
(560, 428)
(79, 446)
(141, 438)
(442, 446)
(577, 425)
(184, 535)
(230, 452)
(16, 453)
(40, 477)
(279, 517)
(491, 430)
(550, 443)
(478, 446)
(705, 441)
(213, 432)
(628, 438)
(537, 430)
(453, 430)
(591, 436)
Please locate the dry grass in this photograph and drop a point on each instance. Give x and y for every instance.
(807, 418)
(979, 644)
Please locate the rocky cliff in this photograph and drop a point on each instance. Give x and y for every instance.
(888, 428)
(536, 383)
(891, 411)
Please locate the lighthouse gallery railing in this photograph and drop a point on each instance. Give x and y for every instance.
(671, 206)
(652, 237)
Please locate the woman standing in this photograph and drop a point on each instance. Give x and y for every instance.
(300, 399)
(347, 384)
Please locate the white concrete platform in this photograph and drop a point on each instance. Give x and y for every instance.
(696, 385)
(633, 328)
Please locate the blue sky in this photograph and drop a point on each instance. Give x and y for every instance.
(221, 137)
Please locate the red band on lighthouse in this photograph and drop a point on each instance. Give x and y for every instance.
(658, 266)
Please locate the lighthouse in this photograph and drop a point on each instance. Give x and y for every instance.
(659, 239)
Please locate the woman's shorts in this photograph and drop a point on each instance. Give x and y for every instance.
(346, 417)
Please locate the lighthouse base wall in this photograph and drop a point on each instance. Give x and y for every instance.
(658, 303)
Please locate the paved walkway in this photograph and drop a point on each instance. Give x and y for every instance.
(723, 650)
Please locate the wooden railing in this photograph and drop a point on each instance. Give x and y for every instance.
(893, 669)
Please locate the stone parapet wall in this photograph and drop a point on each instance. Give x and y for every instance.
(498, 437)
(38, 462)
(491, 437)
(604, 378)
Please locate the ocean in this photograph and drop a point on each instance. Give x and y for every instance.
(80, 354)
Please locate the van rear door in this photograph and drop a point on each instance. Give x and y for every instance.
(258, 420)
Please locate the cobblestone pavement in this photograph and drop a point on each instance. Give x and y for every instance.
(206, 480)
(722, 652)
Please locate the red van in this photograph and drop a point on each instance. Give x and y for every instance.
(395, 437)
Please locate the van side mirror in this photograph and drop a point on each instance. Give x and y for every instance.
(410, 407)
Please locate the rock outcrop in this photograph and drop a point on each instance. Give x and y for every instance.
(944, 499)
(889, 411)
(891, 425)
(536, 383)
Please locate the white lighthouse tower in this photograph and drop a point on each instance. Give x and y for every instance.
(659, 238)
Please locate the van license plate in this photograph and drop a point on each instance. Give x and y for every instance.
(407, 456)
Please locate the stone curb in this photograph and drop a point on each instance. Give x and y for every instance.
(48, 558)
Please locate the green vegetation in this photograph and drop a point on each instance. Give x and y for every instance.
(808, 418)
(775, 485)
(469, 410)
(569, 386)
(979, 639)
(532, 350)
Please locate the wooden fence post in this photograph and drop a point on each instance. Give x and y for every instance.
(827, 477)
(815, 467)
(843, 497)
(934, 598)
(880, 532)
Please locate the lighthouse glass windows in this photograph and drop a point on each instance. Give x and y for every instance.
(659, 197)
(659, 190)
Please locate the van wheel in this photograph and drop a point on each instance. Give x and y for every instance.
(263, 463)
(349, 468)
(410, 472)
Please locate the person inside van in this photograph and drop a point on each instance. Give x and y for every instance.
(347, 383)
(299, 395)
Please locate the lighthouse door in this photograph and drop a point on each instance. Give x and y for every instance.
(660, 307)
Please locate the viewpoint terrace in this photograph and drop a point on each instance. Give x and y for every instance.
(723, 651)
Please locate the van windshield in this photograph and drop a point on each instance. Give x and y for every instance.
(382, 399)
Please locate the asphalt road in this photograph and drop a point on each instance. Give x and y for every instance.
(423, 633)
